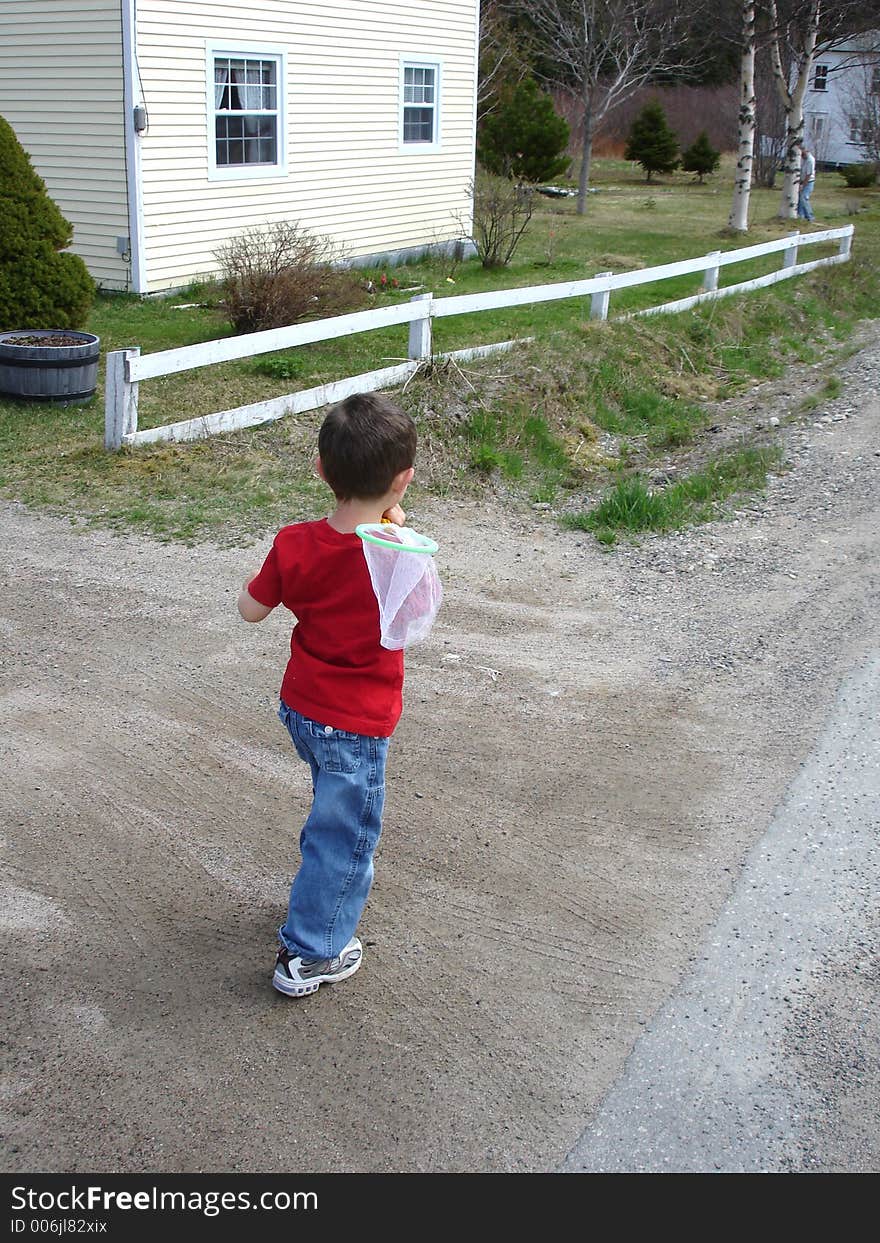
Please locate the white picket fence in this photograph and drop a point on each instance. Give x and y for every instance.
(127, 368)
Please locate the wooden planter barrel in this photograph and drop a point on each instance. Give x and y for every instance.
(49, 364)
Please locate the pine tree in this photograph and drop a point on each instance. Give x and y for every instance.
(651, 142)
(525, 137)
(700, 157)
(41, 284)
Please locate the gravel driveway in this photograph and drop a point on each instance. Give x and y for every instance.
(595, 750)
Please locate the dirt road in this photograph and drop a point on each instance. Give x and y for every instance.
(591, 745)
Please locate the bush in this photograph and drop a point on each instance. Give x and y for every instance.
(275, 275)
(651, 142)
(859, 176)
(502, 211)
(524, 137)
(41, 285)
(701, 157)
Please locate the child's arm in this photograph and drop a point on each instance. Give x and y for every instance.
(251, 609)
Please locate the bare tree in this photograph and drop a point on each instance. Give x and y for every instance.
(798, 34)
(770, 124)
(604, 51)
(503, 57)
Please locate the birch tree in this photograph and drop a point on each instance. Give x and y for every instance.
(604, 51)
(801, 34)
(745, 150)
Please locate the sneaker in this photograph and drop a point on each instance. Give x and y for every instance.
(297, 977)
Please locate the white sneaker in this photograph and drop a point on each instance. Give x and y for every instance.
(297, 977)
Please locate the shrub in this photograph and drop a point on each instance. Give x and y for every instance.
(701, 157)
(41, 285)
(651, 142)
(502, 211)
(859, 176)
(275, 275)
(524, 137)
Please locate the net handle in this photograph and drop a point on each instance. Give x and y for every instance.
(365, 531)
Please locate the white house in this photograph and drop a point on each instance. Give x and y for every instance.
(164, 127)
(841, 102)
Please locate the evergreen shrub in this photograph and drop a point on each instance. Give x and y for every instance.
(701, 157)
(41, 284)
(651, 142)
(859, 176)
(524, 137)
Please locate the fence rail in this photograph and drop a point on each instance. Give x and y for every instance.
(127, 368)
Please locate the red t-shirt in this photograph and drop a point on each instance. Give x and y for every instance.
(338, 672)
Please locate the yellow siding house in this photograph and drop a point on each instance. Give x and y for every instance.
(164, 127)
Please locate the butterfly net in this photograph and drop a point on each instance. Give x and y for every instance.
(405, 582)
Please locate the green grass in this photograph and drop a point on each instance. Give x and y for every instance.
(508, 440)
(631, 506)
(666, 420)
(828, 391)
(584, 399)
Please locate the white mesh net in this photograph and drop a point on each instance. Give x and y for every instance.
(405, 581)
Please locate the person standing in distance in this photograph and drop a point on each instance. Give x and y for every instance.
(807, 182)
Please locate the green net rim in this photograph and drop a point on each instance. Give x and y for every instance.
(364, 529)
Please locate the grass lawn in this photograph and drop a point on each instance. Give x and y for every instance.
(530, 422)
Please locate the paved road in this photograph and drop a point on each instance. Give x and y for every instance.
(736, 1072)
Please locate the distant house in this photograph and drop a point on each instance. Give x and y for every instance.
(164, 127)
(842, 101)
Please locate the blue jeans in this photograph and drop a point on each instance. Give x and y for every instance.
(338, 839)
(804, 209)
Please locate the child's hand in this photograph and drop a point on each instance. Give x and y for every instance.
(396, 515)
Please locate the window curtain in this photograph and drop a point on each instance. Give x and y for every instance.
(238, 86)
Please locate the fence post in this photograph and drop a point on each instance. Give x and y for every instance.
(120, 398)
(599, 300)
(844, 249)
(710, 276)
(790, 256)
(420, 330)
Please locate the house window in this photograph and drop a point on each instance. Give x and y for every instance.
(860, 131)
(420, 105)
(245, 112)
(820, 78)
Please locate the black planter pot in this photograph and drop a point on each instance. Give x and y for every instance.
(49, 364)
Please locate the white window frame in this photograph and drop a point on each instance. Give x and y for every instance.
(817, 124)
(240, 50)
(415, 61)
(859, 131)
(823, 89)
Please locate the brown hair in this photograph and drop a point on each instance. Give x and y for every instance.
(363, 443)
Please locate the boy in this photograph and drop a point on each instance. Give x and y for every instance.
(341, 696)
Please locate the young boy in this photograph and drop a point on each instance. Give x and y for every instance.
(341, 695)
